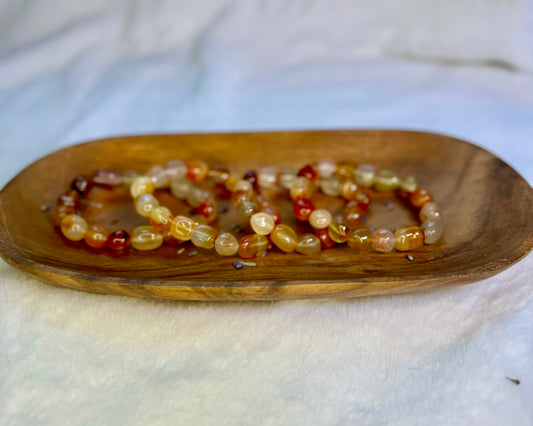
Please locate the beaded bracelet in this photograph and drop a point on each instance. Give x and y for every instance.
(333, 179)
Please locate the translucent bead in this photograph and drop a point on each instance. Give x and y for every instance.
(197, 196)
(247, 209)
(345, 170)
(382, 240)
(230, 183)
(243, 185)
(141, 185)
(175, 170)
(409, 184)
(364, 175)
(308, 244)
(146, 238)
(209, 210)
(330, 186)
(118, 240)
(96, 236)
(73, 227)
(274, 212)
(80, 184)
(262, 223)
(301, 188)
(349, 190)
(268, 177)
(433, 229)
(320, 218)
(226, 244)
(338, 231)
(251, 177)
(204, 236)
(325, 240)
(128, 177)
(60, 212)
(197, 170)
(408, 238)
(107, 177)
(308, 172)
(219, 174)
(302, 208)
(420, 197)
(237, 197)
(251, 246)
(159, 176)
(145, 203)
(182, 228)
(429, 211)
(360, 239)
(161, 217)
(353, 213)
(169, 239)
(287, 178)
(284, 238)
(325, 168)
(180, 188)
(386, 180)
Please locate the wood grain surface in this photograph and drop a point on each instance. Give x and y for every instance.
(487, 209)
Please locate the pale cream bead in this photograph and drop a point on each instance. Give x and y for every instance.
(129, 176)
(325, 168)
(262, 223)
(409, 184)
(161, 215)
(203, 236)
(287, 178)
(364, 175)
(386, 180)
(145, 203)
(320, 218)
(176, 170)
(330, 186)
(74, 227)
(268, 177)
(433, 229)
(180, 188)
(226, 244)
(141, 185)
(301, 187)
(159, 176)
(429, 211)
(146, 238)
(197, 196)
(182, 228)
(243, 185)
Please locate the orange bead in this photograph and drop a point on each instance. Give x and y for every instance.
(96, 236)
(360, 239)
(301, 188)
(349, 190)
(353, 213)
(197, 171)
(251, 246)
(408, 238)
(420, 197)
(284, 238)
(382, 240)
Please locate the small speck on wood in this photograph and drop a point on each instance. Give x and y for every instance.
(515, 381)
(45, 207)
(409, 257)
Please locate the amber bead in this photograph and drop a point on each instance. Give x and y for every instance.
(251, 176)
(353, 213)
(268, 177)
(118, 240)
(145, 203)
(141, 185)
(180, 188)
(320, 218)
(349, 189)
(360, 239)
(302, 208)
(330, 186)
(146, 238)
(419, 197)
(344, 170)
(60, 212)
(73, 227)
(301, 188)
(182, 227)
(80, 184)
(70, 198)
(199, 219)
(237, 197)
(433, 229)
(386, 180)
(408, 238)
(325, 168)
(382, 240)
(230, 182)
(161, 218)
(325, 240)
(338, 231)
(364, 175)
(204, 236)
(96, 236)
(251, 246)
(107, 177)
(429, 211)
(363, 200)
(308, 172)
(197, 170)
(274, 212)
(284, 238)
(218, 174)
(262, 223)
(308, 244)
(208, 209)
(226, 244)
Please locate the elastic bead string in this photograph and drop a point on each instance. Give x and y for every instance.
(334, 180)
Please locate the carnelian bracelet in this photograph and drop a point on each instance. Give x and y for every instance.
(336, 180)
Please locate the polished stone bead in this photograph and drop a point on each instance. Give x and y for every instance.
(274, 212)
(161, 218)
(59, 212)
(226, 244)
(96, 236)
(208, 209)
(325, 168)
(197, 170)
(145, 203)
(330, 186)
(251, 246)
(409, 184)
(118, 240)
(308, 172)
(262, 223)
(338, 231)
(182, 228)
(345, 170)
(247, 209)
(302, 208)
(237, 197)
(146, 238)
(197, 196)
(420, 197)
(73, 227)
(127, 178)
(159, 176)
(284, 237)
(320, 218)
(386, 180)
(180, 188)
(107, 177)
(268, 177)
(243, 185)
(251, 177)
(360, 239)
(429, 211)
(204, 236)
(364, 175)
(308, 244)
(141, 185)
(433, 229)
(175, 170)
(169, 239)
(408, 238)
(219, 174)
(301, 188)
(382, 240)
(80, 184)
(353, 213)
(349, 190)
(325, 240)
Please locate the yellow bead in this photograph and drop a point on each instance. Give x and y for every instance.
(146, 238)
(268, 177)
(429, 211)
(301, 188)
(204, 236)
(145, 203)
(382, 240)
(386, 180)
(161, 216)
(226, 244)
(284, 238)
(330, 186)
(360, 239)
(308, 244)
(262, 223)
(74, 227)
(141, 185)
(364, 175)
(408, 238)
(409, 184)
(338, 231)
(182, 228)
(320, 218)
(180, 188)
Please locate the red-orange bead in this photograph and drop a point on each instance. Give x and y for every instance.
(118, 240)
(325, 240)
(352, 213)
(363, 200)
(96, 236)
(420, 197)
(197, 170)
(408, 238)
(251, 246)
(208, 209)
(308, 172)
(302, 208)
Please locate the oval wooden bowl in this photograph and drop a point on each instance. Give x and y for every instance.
(486, 207)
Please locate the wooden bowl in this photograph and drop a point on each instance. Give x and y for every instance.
(486, 207)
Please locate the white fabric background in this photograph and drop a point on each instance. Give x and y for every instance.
(73, 70)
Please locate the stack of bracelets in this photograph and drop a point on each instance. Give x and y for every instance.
(335, 180)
